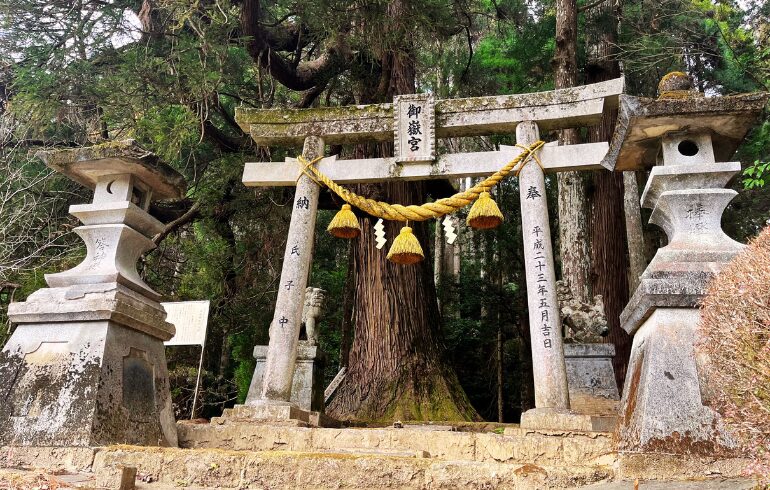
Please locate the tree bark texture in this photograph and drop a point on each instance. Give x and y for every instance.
(438, 265)
(635, 236)
(608, 248)
(348, 302)
(573, 215)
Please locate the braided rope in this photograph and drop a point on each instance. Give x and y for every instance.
(428, 210)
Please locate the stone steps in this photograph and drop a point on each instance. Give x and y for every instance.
(310, 458)
(514, 446)
(213, 468)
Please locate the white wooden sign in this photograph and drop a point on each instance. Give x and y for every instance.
(190, 319)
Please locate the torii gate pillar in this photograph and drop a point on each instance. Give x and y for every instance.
(549, 368)
(285, 327)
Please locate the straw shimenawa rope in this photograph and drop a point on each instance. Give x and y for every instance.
(428, 210)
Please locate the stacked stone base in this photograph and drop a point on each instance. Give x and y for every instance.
(273, 414)
(262, 456)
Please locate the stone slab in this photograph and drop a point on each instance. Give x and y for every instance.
(204, 469)
(662, 466)
(589, 350)
(269, 412)
(686, 176)
(475, 164)
(94, 302)
(642, 122)
(516, 446)
(593, 389)
(52, 458)
(124, 212)
(669, 291)
(228, 469)
(566, 420)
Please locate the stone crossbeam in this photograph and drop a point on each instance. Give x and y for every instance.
(558, 109)
(477, 164)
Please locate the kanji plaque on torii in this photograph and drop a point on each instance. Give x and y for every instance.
(525, 115)
(414, 128)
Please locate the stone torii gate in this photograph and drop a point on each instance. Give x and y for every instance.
(524, 114)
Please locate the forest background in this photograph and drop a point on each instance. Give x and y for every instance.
(446, 339)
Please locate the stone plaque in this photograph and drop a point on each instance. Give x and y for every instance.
(415, 138)
(190, 319)
(138, 385)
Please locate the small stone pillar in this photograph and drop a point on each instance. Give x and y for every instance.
(307, 389)
(86, 364)
(665, 405)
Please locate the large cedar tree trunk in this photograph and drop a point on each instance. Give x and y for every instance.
(396, 368)
(608, 228)
(573, 214)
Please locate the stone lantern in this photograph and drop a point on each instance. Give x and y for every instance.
(86, 364)
(686, 139)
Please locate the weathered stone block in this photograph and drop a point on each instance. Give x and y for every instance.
(84, 383)
(663, 406)
(566, 420)
(591, 378)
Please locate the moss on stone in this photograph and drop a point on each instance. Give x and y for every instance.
(313, 114)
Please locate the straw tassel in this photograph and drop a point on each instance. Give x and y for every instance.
(345, 224)
(484, 213)
(406, 248)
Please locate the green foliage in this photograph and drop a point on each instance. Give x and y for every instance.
(755, 175)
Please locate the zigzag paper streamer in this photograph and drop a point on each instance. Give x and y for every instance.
(379, 234)
(449, 230)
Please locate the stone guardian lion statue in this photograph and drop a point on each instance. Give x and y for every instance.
(584, 323)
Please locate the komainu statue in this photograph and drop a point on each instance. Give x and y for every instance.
(585, 322)
(314, 304)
